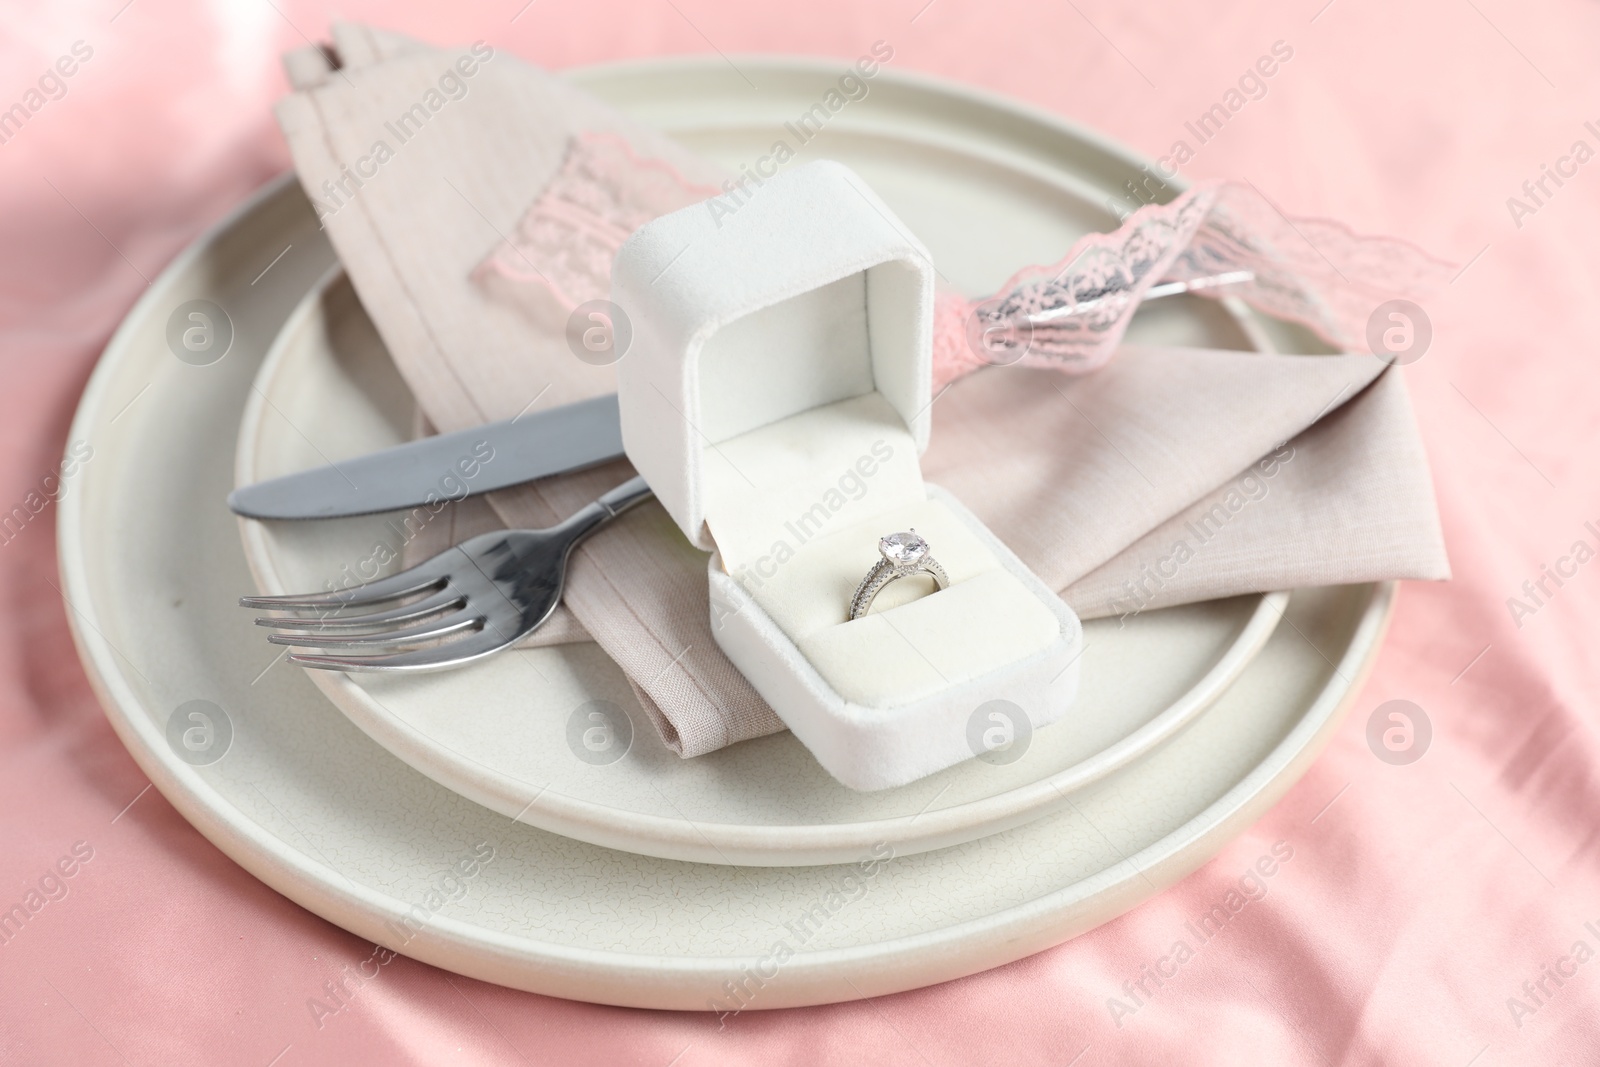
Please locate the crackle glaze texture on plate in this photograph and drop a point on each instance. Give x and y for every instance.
(308, 803)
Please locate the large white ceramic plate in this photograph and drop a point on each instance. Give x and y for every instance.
(151, 567)
(986, 203)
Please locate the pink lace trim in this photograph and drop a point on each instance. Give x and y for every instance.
(601, 193)
(1070, 316)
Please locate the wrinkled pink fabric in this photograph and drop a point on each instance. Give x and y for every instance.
(1417, 902)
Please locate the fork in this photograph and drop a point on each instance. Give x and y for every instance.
(483, 595)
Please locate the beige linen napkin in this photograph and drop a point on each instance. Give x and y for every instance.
(422, 161)
(1168, 476)
(1175, 475)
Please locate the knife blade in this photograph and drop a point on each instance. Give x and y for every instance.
(446, 466)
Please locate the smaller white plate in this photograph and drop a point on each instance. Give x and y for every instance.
(500, 732)
(497, 732)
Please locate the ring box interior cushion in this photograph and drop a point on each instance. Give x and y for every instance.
(776, 397)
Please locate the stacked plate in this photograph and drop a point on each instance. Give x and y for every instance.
(469, 818)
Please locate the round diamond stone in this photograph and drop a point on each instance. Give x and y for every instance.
(903, 549)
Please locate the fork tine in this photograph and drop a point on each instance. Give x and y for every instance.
(451, 624)
(424, 577)
(452, 654)
(446, 599)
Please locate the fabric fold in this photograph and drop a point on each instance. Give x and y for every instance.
(1086, 465)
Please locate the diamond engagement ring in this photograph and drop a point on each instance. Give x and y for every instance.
(904, 554)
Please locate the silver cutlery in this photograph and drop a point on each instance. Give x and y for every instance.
(468, 602)
(490, 591)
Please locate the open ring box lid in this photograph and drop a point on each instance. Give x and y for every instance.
(776, 396)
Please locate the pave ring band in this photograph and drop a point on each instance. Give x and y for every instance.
(904, 554)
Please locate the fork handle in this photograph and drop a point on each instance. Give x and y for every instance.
(591, 517)
(631, 492)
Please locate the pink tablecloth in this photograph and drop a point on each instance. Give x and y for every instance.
(1419, 898)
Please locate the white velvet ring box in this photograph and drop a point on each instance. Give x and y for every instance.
(776, 396)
